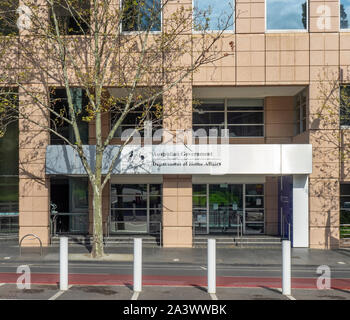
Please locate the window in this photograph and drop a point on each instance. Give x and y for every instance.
(73, 19)
(300, 111)
(344, 210)
(136, 208)
(9, 203)
(213, 15)
(344, 14)
(345, 106)
(242, 117)
(60, 105)
(8, 194)
(141, 15)
(136, 117)
(286, 15)
(8, 17)
(9, 180)
(71, 199)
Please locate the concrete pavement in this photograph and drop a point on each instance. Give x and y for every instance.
(229, 256)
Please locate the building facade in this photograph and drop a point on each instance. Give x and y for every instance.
(284, 172)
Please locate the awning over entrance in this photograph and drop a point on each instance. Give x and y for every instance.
(213, 159)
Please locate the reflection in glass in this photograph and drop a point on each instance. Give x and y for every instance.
(286, 15)
(210, 15)
(254, 216)
(142, 15)
(344, 14)
(131, 204)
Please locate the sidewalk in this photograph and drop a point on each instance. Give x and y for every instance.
(9, 251)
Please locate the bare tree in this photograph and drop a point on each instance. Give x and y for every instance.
(143, 48)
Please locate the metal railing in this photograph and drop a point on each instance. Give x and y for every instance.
(35, 237)
(82, 221)
(223, 222)
(285, 222)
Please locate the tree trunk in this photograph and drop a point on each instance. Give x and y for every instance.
(97, 246)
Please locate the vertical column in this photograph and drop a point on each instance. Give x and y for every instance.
(300, 211)
(177, 211)
(34, 185)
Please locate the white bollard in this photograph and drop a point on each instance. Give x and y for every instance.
(63, 263)
(137, 264)
(286, 268)
(211, 266)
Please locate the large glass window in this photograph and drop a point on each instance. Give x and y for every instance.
(344, 14)
(136, 208)
(209, 114)
(73, 19)
(141, 15)
(345, 210)
(242, 117)
(286, 15)
(221, 208)
(8, 17)
(245, 118)
(8, 195)
(60, 105)
(135, 118)
(9, 180)
(69, 205)
(213, 15)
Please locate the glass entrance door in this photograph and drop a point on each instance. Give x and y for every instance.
(221, 208)
(225, 207)
(135, 208)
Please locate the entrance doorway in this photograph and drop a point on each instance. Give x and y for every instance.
(69, 205)
(224, 208)
(136, 208)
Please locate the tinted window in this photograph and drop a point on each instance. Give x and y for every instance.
(141, 15)
(60, 105)
(8, 17)
(73, 19)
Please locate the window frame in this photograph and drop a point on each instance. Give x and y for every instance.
(226, 111)
(140, 31)
(288, 30)
(299, 123)
(342, 29)
(233, 31)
